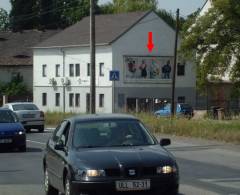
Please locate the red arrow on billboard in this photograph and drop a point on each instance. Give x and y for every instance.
(150, 44)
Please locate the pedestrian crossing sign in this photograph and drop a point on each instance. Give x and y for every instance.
(114, 75)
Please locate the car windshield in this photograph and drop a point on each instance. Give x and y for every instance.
(7, 117)
(111, 134)
(17, 107)
(185, 106)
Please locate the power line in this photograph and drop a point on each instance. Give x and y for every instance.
(34, 13)
(46, 12)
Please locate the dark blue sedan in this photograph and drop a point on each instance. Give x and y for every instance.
(12, 133)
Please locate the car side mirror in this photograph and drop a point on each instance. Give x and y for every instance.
(165, 142)
(59, 146)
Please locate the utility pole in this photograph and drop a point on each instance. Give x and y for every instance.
(175, 65)
(93, 58)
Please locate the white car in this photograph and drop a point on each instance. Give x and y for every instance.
(29, 115)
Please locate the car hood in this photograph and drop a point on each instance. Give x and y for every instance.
(101, 158)
(10, 127)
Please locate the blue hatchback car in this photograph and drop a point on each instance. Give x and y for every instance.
(12, 132)
(182, 109)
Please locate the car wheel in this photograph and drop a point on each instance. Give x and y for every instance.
(68, 186)
(49, 190)
(23, 148)
(41, 129)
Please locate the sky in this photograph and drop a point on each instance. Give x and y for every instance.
(186, 6)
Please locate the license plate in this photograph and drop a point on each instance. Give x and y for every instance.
(5, 141)
(133, 185)
(28, 115)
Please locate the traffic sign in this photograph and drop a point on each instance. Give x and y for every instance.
(114, 75)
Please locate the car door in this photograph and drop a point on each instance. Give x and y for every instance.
(62, 156)
(52, 155)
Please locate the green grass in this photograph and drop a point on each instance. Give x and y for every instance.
(54, 118)
(228, 131)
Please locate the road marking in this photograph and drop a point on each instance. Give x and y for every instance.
(27, 189)
(189, 190)
(42, 143)
(225, 182)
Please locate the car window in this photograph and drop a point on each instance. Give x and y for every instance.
(59, 131)
(111, 133)
(64, 135)
(17, 107)
(7, 117)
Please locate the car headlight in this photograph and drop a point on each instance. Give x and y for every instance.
(20, 132)
(90, 173)
(166, 169)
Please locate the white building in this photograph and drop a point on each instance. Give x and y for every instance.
(121, 41)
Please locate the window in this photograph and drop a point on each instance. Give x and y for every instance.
(57, 99)
(181, 99)
(101, 100)
(180, 69)
(77, 100)
(88, 69)
(77, 69)
(64, 136)
(16, 76)
(44, 67)
(71, 70)
(71, 99)
(59, 130)
(44, 99)
(57, 70)
(101, 69)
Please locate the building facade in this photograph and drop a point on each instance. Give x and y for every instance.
(16, 57)
(62, 66)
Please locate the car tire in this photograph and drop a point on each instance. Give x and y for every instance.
(68, 186)
(49, 189)
(23, 148)
(41, 129)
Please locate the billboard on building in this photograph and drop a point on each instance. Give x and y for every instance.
(148, 68)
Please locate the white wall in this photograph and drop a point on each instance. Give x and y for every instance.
(206, 7)
(107, 91)
(134, 42)
(81, 84)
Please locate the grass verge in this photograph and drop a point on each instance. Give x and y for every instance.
(228, 131)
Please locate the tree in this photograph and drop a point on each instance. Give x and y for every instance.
(24, 14)
(121, 6)
(76, 10)
(134, 5)
(15, 87)
(107, 8)
(50, 14)
(213, 41)
(4, 19)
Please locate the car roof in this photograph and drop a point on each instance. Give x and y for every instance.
(96, 117)
(15, 103)
(4, 109)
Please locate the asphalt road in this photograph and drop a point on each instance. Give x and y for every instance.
(206, 168)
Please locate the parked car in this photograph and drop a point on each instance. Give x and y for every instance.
(182, 109)
(29, 115)
(108, 154)
(12, 133)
